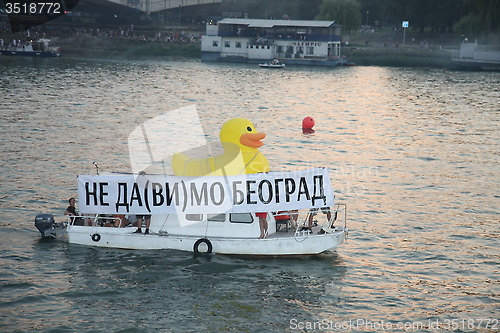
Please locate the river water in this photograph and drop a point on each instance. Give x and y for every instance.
(414, 153)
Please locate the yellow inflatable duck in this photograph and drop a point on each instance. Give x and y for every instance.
(240, 141)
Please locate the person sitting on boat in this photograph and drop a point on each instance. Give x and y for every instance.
(118, 221)
(141, 218)
(71, 211)
(314, 211)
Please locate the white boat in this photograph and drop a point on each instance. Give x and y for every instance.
(233, 233)
(39, 48)
(272, 64)
(209, 205)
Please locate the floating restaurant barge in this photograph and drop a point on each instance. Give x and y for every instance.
(293, 42)
(475, 57)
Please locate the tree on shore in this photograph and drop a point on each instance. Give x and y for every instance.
(482, 19)
(344, 12)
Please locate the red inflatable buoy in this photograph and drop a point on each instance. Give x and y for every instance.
(307, 123)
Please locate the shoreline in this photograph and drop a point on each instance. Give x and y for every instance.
(90, 46)
(87, 46)
(406, 57)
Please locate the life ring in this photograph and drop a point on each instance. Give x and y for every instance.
(197, 244)
(96, 237)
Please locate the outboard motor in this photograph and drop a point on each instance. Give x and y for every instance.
(44, 222)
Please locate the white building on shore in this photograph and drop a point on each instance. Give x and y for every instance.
(291, 41)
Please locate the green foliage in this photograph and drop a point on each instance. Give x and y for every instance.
(482, 18)
(274, 9)
(344, 12)
(154, 50)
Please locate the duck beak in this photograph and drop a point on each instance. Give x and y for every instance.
(252, 139)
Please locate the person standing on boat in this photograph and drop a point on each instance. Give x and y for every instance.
(263, 224)
(141, 218)
(71, 211)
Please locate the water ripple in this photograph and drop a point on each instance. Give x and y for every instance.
(413, 152)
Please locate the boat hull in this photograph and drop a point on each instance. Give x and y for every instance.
(272, 66)
(279, 244)
(43, 54)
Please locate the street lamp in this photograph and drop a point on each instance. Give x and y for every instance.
(367, 12)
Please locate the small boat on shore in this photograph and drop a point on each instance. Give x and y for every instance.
(273, 64)
(39, 48)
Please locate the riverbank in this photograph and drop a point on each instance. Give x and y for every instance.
(400, 57)
(373, 54)
(91, 46)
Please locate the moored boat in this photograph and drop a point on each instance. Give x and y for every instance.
(273, 64)
(39, 48)
(477, 57)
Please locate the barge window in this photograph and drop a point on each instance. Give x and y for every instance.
(194, 217)
(215, 43)
(227, 44)
(310, 50)
(216, 217)
(238, 45)
(241, 218)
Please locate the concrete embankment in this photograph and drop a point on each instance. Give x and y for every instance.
(89, 46)
(398, 57)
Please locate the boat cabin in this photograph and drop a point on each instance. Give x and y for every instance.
(234, 225)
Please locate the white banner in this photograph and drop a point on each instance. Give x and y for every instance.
(161, 194)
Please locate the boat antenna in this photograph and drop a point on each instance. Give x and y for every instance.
(96, 167)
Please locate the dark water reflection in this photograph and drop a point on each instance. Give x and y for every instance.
(413, 152)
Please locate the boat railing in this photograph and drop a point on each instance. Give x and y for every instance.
(334, 218)
(96, 220)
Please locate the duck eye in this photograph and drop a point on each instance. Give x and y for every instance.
(249, 128)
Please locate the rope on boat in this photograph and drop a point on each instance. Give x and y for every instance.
(164, 222)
